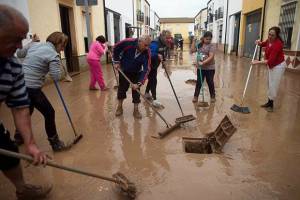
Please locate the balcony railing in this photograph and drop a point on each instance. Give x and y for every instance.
(139, 16)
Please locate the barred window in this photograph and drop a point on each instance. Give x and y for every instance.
(286, 22)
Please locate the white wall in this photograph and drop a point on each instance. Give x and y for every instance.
(234, 6)
(191, 29)
(152, 19)
(216, 23)
(125, 8)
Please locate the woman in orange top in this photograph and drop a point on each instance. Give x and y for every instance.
(274, 59)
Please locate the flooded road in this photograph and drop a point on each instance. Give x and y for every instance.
(260, 161)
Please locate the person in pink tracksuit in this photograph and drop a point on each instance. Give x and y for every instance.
(97, 50)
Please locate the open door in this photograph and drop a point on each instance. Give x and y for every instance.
(70, 51)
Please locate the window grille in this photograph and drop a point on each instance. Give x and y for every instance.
(286, 22)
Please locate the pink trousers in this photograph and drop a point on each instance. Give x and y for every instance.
(96, 74)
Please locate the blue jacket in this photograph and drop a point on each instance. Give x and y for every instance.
(157, 47)
(124, 53)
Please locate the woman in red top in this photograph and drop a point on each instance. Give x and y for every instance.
(274, 59)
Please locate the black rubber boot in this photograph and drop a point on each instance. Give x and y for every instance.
(266, 105)
(270, 107)
(58, 145)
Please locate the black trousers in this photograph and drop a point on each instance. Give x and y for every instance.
(124, 85)
(39, 101)
(152, 78)
(7, 163)
(209, 76)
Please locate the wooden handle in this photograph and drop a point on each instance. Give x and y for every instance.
(169, 130)
(55, 165)
(150, 104)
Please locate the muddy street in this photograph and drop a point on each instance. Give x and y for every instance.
(260, 161)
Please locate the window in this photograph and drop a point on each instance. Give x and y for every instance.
(286, 22)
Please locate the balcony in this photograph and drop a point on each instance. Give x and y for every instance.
(139, 16)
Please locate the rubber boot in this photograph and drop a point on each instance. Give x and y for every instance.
(136, 112)
(266, 104)
(119, 110)
(57, 145)
(270, 107)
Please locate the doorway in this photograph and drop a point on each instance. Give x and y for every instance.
(116, 27)
(71, 59)
(252, 32)
(236, 33)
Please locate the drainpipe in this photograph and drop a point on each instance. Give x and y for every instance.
(88, 22)
(262, 26)
(226, 27)
(105, 19)
(105, 24)
(133, 13)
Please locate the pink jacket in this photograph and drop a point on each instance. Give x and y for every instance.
(96, 51)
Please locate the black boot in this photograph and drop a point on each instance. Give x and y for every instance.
(270, 107)
(18, 138)
(266, 105)
(58, 145)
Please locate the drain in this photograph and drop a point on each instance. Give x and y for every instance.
(213, 142)
(197, 145)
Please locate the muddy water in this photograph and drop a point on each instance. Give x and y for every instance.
(260, 161)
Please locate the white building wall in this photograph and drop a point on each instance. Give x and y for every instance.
(152, 19)
(234, 6)
(203, 20)
(215, 5)
(191, 28)
(125, 8)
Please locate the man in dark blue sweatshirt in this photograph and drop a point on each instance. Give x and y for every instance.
(132, 56)
(158, 51)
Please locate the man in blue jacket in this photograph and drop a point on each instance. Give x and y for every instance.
(158, 51)
(132, 56)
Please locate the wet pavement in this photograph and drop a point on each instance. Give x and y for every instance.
(260, 161)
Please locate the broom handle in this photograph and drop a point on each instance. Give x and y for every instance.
(110, 54)
(173, 89)
(150, 104)
(249, 73)
(116, 76)
(200, 72)
(65, 107)
(55, 165)
(202, 88)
